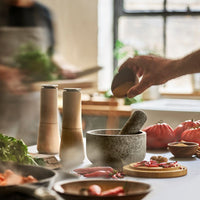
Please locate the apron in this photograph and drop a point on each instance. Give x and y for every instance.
(19, 115)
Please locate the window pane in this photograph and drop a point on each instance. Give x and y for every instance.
(183, 4)
(182, 38)
(183, 35)
(143, 34)
(143, 4)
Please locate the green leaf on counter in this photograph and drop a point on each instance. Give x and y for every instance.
(129, 101)
(15, 150)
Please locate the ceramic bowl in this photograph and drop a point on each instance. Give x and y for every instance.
(107, 147)
(183, 149)
(72, 189)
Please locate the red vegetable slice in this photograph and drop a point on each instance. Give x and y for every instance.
(94, 190)
(99, 173)
(113, 192)
(93, 169)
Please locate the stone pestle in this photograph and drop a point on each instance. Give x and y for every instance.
(134, 123)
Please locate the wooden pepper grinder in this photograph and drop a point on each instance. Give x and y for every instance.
(71, 148)
(48, 137)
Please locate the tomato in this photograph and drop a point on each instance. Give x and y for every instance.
(159, 135)
(191, 135)
(184, 126)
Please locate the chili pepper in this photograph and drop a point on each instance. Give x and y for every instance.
(120, 175)
(2, 177)
(168, 164)
(153, 161)
(114, 176)
(94, 190)
(99, 173)
(153, 165)
(93, 169)
(113, 191)
(121, 194)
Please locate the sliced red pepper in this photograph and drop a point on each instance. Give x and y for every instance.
(113, 192)
(94, 190)
(120, 175)
(88, 170)
(153, 165)
(99, 173)
(121, 194)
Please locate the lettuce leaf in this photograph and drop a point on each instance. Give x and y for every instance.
(15, 150)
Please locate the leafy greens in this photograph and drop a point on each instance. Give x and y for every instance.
(36, 64)
(14, 150)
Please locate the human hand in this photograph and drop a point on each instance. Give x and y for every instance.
(153, 70)
(12, 79)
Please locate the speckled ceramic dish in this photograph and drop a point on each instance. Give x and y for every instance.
(106, 146)
(72, 189)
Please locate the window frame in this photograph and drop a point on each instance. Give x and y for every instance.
(120, 11)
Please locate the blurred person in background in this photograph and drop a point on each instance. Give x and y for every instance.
(22, 21)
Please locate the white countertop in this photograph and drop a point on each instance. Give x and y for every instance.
(171, 111)
(184, 188)
(178, 105)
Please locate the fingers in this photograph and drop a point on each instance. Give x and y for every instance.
(127, 64)
(139, 88)
(132, 63)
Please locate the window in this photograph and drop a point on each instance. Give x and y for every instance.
(165, 27)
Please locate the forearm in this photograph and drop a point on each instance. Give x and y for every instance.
(189, 64)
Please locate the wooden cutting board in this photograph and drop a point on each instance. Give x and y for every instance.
(150, 172)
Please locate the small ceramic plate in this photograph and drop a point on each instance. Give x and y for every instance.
(71, 189)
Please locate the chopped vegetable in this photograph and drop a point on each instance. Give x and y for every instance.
(105, 172)
(114, 191)
(99, 173)
(11, 178)
(93, 169)
(14, 150)
(94, 190)
(154, 163)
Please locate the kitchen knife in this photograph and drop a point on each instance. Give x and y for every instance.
(88, 71)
